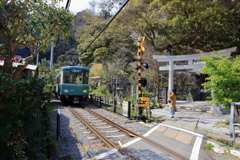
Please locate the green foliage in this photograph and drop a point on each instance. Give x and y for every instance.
(134, 112)
(225, 142)
(20, 117)
(190, 26)
(95, 72)
(33, 24)
(117, 39)
(47, 75)
(223, 80)
(147, 93)
(209, 146)
(132, 98)
(101, 91)
(64, 52)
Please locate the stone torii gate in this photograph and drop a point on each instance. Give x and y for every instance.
(171, 67)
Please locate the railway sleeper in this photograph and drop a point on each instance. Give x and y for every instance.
(97, 145)
(104, 127)
(89, 116)
(123, 135)
(90, 138)
(109, 131)
(97, 123)
(93, 118)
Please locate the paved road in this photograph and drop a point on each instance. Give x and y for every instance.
(176, 134)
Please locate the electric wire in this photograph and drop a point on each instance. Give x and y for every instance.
(68, 4)
(102, 30)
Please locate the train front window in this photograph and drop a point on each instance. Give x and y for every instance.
(73, 76)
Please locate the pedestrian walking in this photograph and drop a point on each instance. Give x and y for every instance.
(172, 96)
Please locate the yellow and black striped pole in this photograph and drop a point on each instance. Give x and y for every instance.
(139, 69)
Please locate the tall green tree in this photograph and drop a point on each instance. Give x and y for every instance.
(33, 24)
(30, 23)
(116, 38)
(189, 26)
(223, 80)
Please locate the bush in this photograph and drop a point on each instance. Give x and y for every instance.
(101, 91)
(21, 117)
(209, 146)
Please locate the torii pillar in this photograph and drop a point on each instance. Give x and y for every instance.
(170, 78)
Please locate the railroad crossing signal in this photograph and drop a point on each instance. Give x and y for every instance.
(142, 82)
(143, 102)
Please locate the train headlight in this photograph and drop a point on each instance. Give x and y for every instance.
(65, 90)
(85, 91)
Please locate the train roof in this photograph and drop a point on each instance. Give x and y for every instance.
(74, 67)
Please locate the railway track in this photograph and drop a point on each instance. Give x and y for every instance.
(133, 134)
(102, 137)
(107, 123)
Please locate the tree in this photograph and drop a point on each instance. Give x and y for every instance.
(30, 23)
(95, 76)
(223, 80)
(114, 73)
(189, 26)
(116, 38)
(64, 47)
(33, 24)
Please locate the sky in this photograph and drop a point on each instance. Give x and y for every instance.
(76, 5)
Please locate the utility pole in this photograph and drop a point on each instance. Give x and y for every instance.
(37, 58)
(51, 57)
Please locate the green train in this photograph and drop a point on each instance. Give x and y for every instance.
(71, 84)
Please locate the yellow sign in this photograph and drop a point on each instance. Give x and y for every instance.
(143, 102)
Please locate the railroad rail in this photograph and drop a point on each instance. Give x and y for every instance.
(102, 137)
(133, 134)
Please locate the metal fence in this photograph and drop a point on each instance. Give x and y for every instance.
(114, 105)
(234, 114)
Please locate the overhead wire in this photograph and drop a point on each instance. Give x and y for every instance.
(102, 30)
(68, 4)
